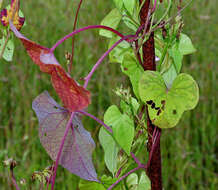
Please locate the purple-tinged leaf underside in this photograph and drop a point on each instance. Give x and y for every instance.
(78, 146)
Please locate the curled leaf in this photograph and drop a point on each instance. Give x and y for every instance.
(78, 146)
(73, 96)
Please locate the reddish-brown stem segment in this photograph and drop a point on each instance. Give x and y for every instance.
(154, 167)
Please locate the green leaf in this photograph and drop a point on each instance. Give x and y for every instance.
(110, 150)
(117, 54)
(111, 20)
(132, 181)
(9, 49)
(122, 126)
(170, 75)
(118, 4)
(144, 182)
(130, 108)
(133, 70)
(129, 5)
(166, 106)
(106, 183)
(177, 56)
(185, 45)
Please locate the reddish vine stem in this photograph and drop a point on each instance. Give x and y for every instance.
(73, 38)
(154, 164)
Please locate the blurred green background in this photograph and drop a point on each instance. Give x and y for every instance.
(189, 151)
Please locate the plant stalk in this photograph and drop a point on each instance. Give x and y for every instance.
(154, 167)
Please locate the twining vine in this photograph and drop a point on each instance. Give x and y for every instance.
(151, 56)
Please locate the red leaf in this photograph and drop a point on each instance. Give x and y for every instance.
(73, 96)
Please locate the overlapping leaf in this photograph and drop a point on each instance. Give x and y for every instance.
(78, 146)
(73, 96)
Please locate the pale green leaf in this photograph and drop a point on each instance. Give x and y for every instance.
(144, 182)
(110, 150)
(185, 45)
(170, 75)
(166, 106)
(132, 181)
(111, 20)
(177, 57)
(9, 49)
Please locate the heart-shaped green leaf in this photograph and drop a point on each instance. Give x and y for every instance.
(166, 106)
(110, 150)
(122, 126)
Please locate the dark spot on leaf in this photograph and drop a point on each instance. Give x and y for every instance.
(153, 105)
(157, 108)
(163, 102)
(8, 48)
(174, 112)
(55, 107)
(125, 69)
(158, 113)
(149, 102)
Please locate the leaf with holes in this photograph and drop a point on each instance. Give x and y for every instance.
(9, 49)
(78, 146)
(73, 96)
(166, 106)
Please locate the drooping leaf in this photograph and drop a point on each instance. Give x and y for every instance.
(78, 146)
(166, 106)
(111, 20)
(110, 150)
(106, 182)
(9, 49)
(122, 126)
(133, 70)
(185, 45)
(73, 96)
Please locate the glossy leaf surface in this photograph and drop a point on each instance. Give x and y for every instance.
(78, 146)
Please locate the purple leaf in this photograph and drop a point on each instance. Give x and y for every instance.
(78, 146)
